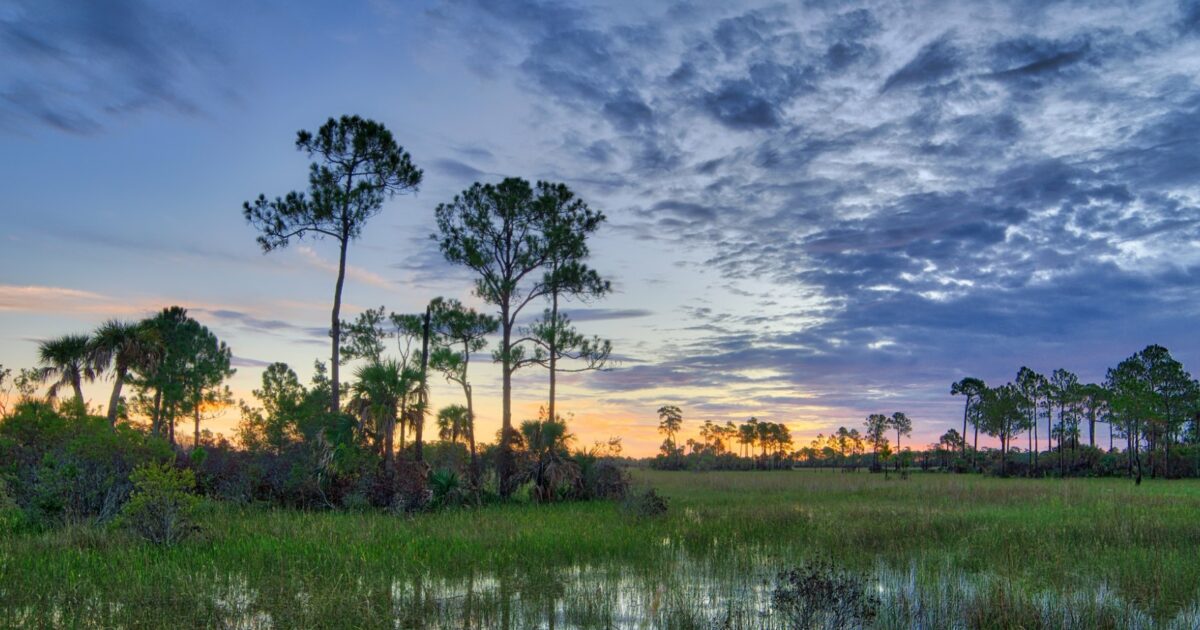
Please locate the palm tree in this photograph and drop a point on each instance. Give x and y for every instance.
(453, 421)
(550, 467)
(378, 390)
(66, 360)
(120, 346)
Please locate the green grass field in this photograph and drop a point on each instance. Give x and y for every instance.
(591, 564)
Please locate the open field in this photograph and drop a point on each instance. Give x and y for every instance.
(1008, 545)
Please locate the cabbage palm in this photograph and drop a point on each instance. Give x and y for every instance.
(379, 389)
(549, 466)
(121, 346)
(65, 360)
(453, 421)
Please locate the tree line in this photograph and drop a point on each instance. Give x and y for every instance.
(1148, 401)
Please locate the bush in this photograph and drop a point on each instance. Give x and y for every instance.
(62, 469)
(11, 516)
(816, 595)
(604, 479)
(447, 489)
(162, 507)
(645, 504)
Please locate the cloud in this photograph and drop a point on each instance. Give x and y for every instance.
(237, 361)
(42, 299)
(457, 169)
(358, 274)
(76, 67)
(936, 61)
(881, 215)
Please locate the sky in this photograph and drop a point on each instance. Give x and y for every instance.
(816, 210)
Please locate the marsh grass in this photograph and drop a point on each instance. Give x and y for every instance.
(943, 550)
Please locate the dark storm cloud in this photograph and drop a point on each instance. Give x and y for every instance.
(76, 66)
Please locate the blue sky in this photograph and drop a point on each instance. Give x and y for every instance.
(817, 210)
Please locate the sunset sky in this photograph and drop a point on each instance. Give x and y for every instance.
(816, 210)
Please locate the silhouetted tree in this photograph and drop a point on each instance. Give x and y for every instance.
(876, 430)
(970, 388)
(507, 234)
(359, 165)
(670, 420)
(903, 426)
(66, 361)
(459, 332)
(119, 346)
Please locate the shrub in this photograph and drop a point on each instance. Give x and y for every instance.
(162, 507)
(646, 504)
(11, 516)
(817, 595)
(64, 469)
(447, 488)
(604, 479)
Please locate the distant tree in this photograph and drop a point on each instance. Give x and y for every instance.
(507, 234)
(747, 434)
(950, 442)
(670, 420)
(282, 398)
(452, 422)
(66, 361)
(359, 165)
(903, 426)
(1094, 400)
(970, 388)
(1063, 391)
(877, 425)
(1002, 416)
(183, 364)
(208, 366)
(459, 332)
(1031, 386)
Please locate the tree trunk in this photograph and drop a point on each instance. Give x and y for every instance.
(553, 348)
(196, 417)
(389, 443)
(966, 408)
(419, 419)
(77, 385)
(471, 434)
(1037, 446)
(335, 331)
(975, 448)
(156, 413)
(1029, 435)
(504, 455)
(114, 401)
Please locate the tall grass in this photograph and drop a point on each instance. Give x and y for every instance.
(1029, 549)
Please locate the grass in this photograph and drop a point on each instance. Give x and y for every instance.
(590, 564)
